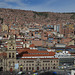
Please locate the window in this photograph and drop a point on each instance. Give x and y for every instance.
(13, 47)
(9, 55)
(31, 34)
(10, 48)
(46, 64)
(32, 68)
(38, 64)
(18, 61)
(54, 64)
(46, 61)
(11, 44)
(48, 68)
(29, 68)
(45, 67)
(26, 68)
(0, 60)
(30, 61)
(54, 67)
(32, 64)
(51, 61)
(12, 55)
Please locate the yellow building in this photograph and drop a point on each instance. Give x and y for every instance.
(4, 27)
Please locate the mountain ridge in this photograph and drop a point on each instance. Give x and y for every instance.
(33, 16)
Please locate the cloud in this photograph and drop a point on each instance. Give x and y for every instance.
(44, 5)
(4, 5)
(15, 4)
(10, 0)
(22, 5)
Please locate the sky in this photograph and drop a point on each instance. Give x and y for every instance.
(40, 5)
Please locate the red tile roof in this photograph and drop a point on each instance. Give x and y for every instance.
(32, 45)
(27, 55)
(39, 58)
(3, 54)
(32, 52)
(71, 46)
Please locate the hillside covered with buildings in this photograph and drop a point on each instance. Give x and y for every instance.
(33, 39)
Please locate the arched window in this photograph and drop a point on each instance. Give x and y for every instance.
(1, 60)
(13, 47)
(31, 34)
(12, 55)
(9, 55)
(26, 68)
(54, 67)
(51, 61)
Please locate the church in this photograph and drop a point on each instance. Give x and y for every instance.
(26, 59)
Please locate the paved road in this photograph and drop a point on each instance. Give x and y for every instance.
(6, 73)
(59, 72)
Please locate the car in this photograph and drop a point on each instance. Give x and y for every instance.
(41, 71)
(23, 73)
(68, 74)
(35, 73)
(19, 73)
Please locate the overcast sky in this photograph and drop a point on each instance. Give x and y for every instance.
(40, 5)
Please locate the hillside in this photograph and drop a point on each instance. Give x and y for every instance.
(21, 17)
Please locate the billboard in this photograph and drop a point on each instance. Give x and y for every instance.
(16, 66)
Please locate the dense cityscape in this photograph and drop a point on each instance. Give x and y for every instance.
(36, 43)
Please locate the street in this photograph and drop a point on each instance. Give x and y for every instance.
(52, 72)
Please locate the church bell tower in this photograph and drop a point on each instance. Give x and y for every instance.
(11, 53)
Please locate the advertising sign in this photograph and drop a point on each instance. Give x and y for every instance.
(16, 66)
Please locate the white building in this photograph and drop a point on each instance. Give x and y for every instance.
(63, 54)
